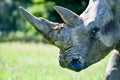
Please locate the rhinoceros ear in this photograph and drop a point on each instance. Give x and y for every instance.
(68, 16)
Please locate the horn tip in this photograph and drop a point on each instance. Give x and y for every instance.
(20, 8)
(23, 11)
(57, 8)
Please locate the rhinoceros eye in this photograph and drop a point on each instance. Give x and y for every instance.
(94, 31)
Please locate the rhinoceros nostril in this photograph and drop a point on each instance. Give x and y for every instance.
(75, 60)
(75, 64)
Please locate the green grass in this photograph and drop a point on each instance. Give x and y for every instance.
(30, 61)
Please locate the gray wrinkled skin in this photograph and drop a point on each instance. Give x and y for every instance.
(83, 40)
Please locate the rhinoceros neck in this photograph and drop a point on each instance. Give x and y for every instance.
(106, 15)
(116, 12)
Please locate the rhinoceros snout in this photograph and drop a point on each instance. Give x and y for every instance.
(74, 64)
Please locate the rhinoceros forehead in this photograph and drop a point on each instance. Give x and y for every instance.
(79, 37)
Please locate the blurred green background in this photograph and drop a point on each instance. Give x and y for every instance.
(13, 26)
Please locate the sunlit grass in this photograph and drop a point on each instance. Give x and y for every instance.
(30, 61)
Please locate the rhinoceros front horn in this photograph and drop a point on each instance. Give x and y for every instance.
(41, 24)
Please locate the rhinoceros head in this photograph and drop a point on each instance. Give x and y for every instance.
(80, 45)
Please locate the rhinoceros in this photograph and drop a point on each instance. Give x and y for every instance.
(84, 39)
